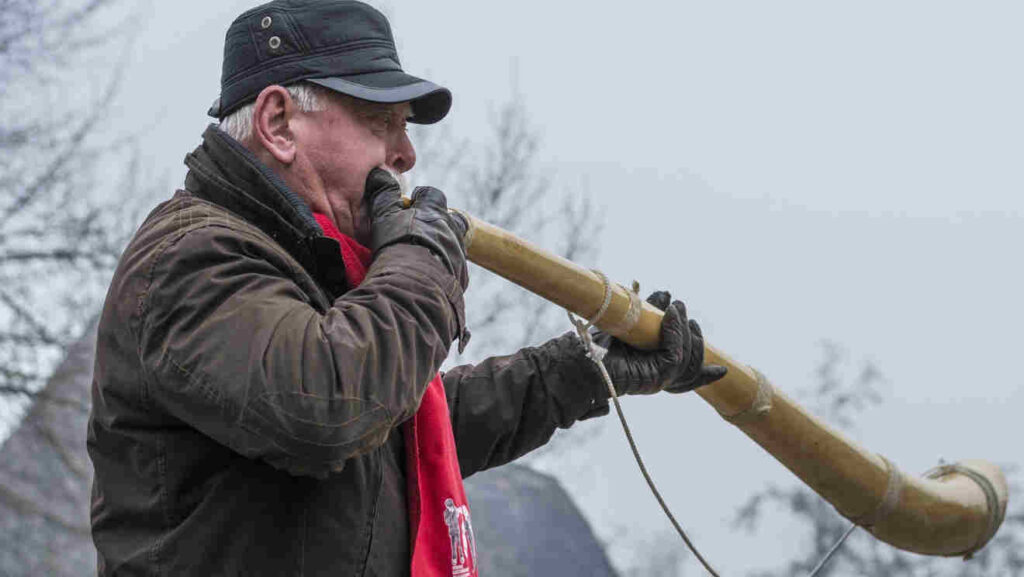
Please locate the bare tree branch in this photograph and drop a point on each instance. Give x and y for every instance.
(58, 242)
(16, 375)
(58, 255)
(55, 171)
(40, 330)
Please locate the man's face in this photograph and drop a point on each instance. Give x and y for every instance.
(341, 145)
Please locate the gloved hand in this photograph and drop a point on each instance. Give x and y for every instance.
(427, 222)
(675, 366)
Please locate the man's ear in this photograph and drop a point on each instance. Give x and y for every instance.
(272, 123)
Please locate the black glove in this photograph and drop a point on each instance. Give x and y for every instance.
(427, 222)
(676, 366)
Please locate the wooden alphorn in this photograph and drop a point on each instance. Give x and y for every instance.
(953, 512)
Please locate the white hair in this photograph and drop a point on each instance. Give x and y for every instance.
(308, 97)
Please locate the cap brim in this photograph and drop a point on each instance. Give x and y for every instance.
(430, 102)
(214, 110)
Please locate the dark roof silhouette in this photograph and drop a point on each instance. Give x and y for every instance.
(525, 523)
(46, 477)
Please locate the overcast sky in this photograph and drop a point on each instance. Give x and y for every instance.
(795, 171)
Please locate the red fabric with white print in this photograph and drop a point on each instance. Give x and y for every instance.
(440, 529)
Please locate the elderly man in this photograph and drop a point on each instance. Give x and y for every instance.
(266, 397)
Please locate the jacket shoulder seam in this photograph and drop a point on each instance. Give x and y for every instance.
(202, 223)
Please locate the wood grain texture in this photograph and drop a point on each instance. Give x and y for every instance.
(948, 516)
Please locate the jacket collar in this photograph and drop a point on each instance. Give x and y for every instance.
(223, 171)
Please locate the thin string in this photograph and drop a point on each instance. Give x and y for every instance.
(828, 556)
(605, 303)
(895, 482)
(995, 512)
(582, 328)
(761, 406)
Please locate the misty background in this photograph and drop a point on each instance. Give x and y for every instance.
(796, 172)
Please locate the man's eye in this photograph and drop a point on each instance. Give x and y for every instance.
(387, 121)
(380, 123)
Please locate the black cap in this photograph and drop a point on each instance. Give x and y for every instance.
(342, 45)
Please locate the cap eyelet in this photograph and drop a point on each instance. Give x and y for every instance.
(275, 42)
(267, 21)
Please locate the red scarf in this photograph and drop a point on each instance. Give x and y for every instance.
(441, 533)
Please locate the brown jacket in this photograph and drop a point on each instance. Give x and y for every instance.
(245, 402)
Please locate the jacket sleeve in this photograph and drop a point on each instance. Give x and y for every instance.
(507, 406)
(231, 345)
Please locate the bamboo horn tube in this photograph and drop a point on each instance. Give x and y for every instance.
(953, 513)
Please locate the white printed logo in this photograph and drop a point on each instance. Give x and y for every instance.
(460, 535)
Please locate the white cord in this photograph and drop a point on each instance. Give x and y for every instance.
(582, 328)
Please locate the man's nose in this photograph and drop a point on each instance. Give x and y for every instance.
(402, 155)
